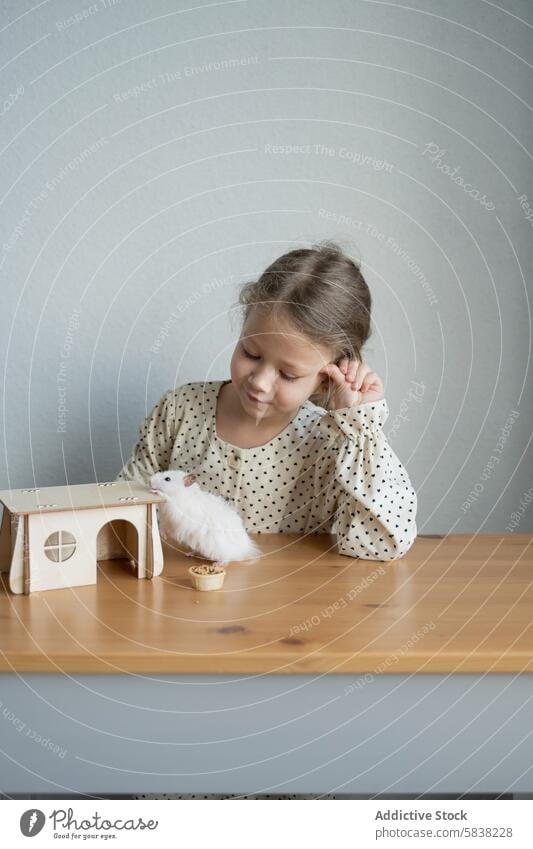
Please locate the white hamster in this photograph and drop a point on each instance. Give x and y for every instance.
(202, 520)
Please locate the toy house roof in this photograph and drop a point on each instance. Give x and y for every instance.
(85, 496)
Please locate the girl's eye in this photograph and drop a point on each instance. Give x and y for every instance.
(252, 357)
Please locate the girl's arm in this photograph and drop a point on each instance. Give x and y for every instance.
(153, 449)
(362, 482)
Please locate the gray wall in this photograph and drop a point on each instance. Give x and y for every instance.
(141, 185)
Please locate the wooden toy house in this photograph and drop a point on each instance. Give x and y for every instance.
(52, 537)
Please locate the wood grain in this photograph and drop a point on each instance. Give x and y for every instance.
(82, 496)
(458, 603)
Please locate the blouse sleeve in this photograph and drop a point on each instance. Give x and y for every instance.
(152, 451)
(365, 486)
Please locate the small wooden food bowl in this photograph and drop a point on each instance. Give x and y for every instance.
(206, 577)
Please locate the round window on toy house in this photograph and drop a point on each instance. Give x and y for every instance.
(59, 546)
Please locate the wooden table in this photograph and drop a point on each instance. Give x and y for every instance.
(296, 677)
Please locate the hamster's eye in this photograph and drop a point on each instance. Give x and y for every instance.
(168, 479)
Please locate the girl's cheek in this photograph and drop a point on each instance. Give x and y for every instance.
(235, 363)
(238, 369)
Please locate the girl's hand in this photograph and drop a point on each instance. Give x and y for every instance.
(351, 383)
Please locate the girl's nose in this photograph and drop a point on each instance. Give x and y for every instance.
(261, 383)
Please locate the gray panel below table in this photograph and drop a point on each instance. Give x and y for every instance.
(133, 733)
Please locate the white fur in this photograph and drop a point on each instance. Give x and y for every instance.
(202, 520)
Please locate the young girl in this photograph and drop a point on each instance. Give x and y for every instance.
(286, 462)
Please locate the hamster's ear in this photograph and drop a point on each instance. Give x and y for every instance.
(188, 480)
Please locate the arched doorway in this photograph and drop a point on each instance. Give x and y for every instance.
(119, 540)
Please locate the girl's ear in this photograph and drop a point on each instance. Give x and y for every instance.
(324, 381)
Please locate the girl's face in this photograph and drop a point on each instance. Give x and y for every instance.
(277, 365)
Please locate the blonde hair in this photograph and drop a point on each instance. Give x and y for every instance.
(322, 293)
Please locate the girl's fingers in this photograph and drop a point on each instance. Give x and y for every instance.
(349, 368)
(362, 372)
(356, 374)
(352, 372)
(358, 377)
(334, 373)
(369, 381)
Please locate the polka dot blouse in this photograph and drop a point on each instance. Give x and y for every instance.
(326, 472)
